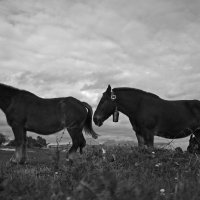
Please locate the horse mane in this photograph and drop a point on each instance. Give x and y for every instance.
(9, 87)
(13, 90)
(136, 90)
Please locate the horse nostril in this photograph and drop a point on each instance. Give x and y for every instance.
(97, 120)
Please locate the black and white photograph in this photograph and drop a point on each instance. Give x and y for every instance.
(99, 100)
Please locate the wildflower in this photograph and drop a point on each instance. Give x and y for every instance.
(103, 151)
(176, 163)
(162, 191)
(153, 154)
(158, 165)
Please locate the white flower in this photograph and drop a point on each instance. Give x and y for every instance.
(158, 165)
(103, 151)
(176, 163)
(162, 190)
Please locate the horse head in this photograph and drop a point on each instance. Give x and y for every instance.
(106, 107)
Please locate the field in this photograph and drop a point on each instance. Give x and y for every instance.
(120, 173)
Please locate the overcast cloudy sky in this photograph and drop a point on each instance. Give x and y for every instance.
(77, 47)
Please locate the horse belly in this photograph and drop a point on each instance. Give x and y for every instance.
(55, 116)
(174, 134)
(44, 124)
(176, 129)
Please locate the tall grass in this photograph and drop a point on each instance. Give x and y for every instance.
(121, 173)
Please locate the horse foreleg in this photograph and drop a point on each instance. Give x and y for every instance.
(138, 132)
(24, 146)
(20, 148)
(74, 134)
(148, 138)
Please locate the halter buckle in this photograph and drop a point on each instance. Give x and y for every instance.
(113, 96)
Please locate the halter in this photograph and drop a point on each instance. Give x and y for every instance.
(116, 112)
(113, 96)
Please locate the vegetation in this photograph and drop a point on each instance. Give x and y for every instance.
(31, 142)
(119, 173)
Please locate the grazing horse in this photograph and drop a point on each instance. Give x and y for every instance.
(27, 112)
(150, 115)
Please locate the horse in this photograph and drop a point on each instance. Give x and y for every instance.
(149, 114)
(194, 143)
(26, 111)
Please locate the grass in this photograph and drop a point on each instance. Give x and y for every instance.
(122, 173)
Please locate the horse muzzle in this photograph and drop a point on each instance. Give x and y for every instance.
(98, 120)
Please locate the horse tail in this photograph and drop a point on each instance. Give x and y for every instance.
(88, 122)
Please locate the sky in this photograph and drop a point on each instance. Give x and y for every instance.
(57, 48)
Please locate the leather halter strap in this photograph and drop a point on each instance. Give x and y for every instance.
(113, 96)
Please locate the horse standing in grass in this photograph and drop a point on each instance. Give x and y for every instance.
(27, 112)
(149, 114)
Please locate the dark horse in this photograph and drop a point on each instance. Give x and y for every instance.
(27, 112)
(149, 114)
(194, 143)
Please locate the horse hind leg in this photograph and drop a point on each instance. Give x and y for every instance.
(74, 134)
(82, 143)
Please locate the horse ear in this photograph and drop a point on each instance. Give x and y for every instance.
(108, 89)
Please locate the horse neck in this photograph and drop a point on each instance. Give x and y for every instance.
(127, 101)
(6, 94)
